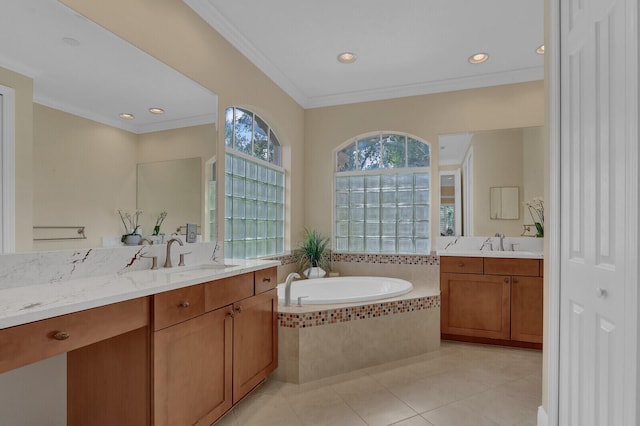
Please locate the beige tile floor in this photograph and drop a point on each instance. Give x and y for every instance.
(460, 384)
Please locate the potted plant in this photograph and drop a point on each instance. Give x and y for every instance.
(536, 210)
(310, 254)
(131, 227)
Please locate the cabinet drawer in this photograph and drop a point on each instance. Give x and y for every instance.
(172, 307)
(225, 291)
(24, 344)
(461, 265)
(266, 279)
(510, 266)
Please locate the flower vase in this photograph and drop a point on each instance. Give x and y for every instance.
(132, 240)
(315, 272)
(539, 230)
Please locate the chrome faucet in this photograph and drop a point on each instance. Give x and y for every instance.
(287, 287)
(501, 236)
(145, 240)
(167, 262)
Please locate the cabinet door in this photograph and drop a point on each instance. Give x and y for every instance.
(526, 309)
(255, 341)
(475, 305)
(192, 370)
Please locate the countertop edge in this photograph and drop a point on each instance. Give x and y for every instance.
(94, 295)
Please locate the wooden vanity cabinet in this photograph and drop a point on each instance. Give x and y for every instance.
(192, 370)
(476, 305)
(255, 341)
(492, 300)
(526, 309)
(208, 361)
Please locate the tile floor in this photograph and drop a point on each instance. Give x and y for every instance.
(460, 384)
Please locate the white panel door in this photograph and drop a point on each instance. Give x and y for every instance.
(599, 212)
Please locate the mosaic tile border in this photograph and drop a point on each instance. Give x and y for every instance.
(392, 259)
(354, 313)
(389, 259)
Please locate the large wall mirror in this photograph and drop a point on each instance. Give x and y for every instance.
(78, 78)
(498, 171)
(172, 185)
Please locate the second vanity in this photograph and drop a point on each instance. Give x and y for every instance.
(178, 346)
(492, 297)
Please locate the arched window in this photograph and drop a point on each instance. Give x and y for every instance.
(382, 194)
(249, 134)
(254, 187)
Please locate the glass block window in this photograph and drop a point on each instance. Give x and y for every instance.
(253, 207)
(249, 134)
(382, 195)
(447, 219)
(213, 234)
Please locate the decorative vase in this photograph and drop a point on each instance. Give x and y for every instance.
(539, 230)
(315, 272)
(132, 240)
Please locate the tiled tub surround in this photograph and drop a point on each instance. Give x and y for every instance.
(318, 341)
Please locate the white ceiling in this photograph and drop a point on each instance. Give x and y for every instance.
(453, 148)
(99, 78)
(404, 47)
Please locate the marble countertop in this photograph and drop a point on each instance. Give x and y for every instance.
(24, 304)
(490, 253)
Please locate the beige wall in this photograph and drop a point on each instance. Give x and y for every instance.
(188, 142)
(83, 172)
(501, 107)
(497, 161)
(533, 161)
(210, 60)
(23, 87)
(86, 171)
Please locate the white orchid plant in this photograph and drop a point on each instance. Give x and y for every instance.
(130, 222)
(536, 210)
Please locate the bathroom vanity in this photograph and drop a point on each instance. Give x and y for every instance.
(192, 345)
(492, 299)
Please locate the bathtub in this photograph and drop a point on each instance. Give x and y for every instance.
(331, 291)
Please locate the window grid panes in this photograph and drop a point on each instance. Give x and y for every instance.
(382, 213)
(382, 195)
(254, 208)
(249, 134)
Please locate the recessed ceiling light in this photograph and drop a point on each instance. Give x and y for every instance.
(70, 41)
(540, 50)
(126, 116)
(347, 57)
(478, 58)
(156, 111)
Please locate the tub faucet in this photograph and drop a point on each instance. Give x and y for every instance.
(167, 262)
(287, 287)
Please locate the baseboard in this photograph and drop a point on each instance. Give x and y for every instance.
(543, 419)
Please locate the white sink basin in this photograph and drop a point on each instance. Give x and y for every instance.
(194, 268)
(488, 253)
(190, 271)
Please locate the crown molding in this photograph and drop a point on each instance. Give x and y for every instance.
(218, 22)
(426, 88)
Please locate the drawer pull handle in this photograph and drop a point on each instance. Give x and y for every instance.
(266, 280)
(61, 335)
(231, 313)
(461, 264)
(184, 305)
(601, 293)
(515, 281)
(506, 280)
(239, 309)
